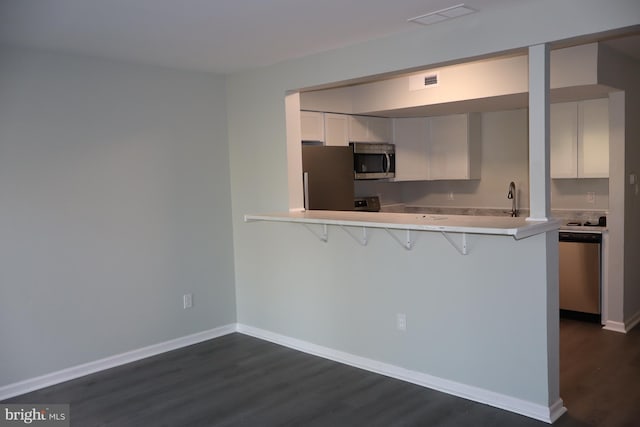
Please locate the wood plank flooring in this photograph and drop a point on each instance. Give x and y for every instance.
(599, 375)
(238, 380)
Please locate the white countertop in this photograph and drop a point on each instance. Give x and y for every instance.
(519, 227)
(583, 229)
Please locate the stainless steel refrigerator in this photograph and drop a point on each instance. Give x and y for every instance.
(328, 177)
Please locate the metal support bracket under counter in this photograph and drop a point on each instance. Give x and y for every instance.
(400, 226)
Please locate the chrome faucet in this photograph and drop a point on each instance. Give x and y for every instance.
(512, 196)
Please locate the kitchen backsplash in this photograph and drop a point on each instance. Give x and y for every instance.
(445, 210)
(565, 215)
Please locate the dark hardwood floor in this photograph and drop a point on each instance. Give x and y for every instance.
(599, 375)
(238, 380)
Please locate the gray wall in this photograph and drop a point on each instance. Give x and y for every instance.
(114, 182)
(621, 72)
(632, 195)
(632, 205)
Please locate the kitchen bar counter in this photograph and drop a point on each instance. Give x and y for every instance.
(519, 227)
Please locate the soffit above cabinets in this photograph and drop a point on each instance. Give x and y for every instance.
(495, 84)
(495, 103)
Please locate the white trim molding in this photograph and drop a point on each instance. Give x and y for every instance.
(74, 372)
(544, 413)
(632, 322)
(614, 326)
(621, 327)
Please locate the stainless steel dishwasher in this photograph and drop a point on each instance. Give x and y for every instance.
(579, 259)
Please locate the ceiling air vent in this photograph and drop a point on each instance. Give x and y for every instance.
(423, 81)
(442, 14)
(431, 80)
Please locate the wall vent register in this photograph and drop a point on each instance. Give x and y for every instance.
(423, 81)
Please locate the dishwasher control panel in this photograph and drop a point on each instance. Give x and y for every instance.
(579, 237)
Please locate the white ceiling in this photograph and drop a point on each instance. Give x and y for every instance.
(211, 35)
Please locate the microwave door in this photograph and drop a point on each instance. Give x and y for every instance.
(329, 182)
(371, 165)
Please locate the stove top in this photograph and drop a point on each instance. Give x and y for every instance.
(583, 224)
(601, 222)
(578, 226)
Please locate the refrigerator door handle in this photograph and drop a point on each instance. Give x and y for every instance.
(305, 183)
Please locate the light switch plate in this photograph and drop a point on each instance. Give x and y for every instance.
(187, 301)
(401, 321)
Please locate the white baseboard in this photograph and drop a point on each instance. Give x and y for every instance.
(632, 322)
(613, 326)
(621, 327)
(555, 411)
(532, 410)
(74, 372)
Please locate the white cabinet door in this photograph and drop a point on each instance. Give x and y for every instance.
(358, 129)
(580, 139)
(336, 129)
(312, 126)
(410, 136)
(593, 139)
(379, 129)
(369, 129)
(564, 140)
(454, 147)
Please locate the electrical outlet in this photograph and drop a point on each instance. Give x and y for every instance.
(187, 301)
(591, 197)
(401, 321)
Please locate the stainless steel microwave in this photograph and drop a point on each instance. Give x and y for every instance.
(373, 160)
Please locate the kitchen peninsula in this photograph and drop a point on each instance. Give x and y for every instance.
(519, 228)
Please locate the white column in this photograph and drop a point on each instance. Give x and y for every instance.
(539, 189)
(294, 151)
(613, 245)
(540, 210)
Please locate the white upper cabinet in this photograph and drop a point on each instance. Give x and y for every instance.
(593, 138)
(358, 129)
(410, 136)
(563, 127)
(437, 148)
(340, 129)
(369, 129)
(580, 139)
(312, 126)
(336, 129)
(379, 129)
(454, 147)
